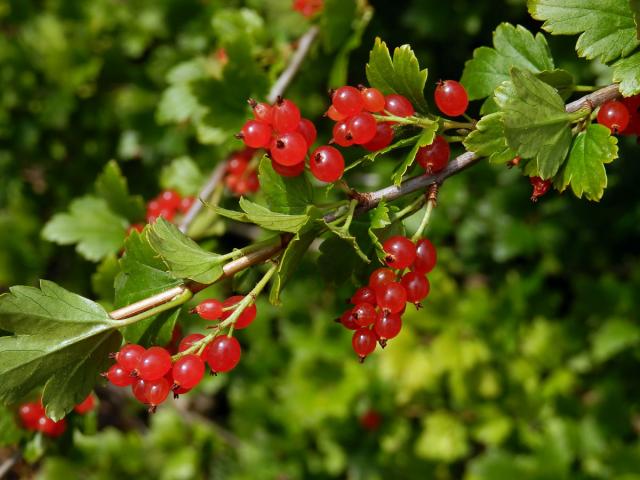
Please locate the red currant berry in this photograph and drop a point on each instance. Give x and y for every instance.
(362, 128)
(252, 182)
(417, 287)
(326, 163)
(286, 116)
(188, 342)
(426, 257)
(391, 297)
(154, 364)
(256, 134)
(335, 115)
(129, 356)
(170, 199)
(348, 320)
(370, 420)
(363, 342)
(382, 139)
(614, 115)
(156, 391)
(138, 227)
(308, 8)
(348, 101)
(177, 389)
(364, 314)
(398, 105)
(118, 376)
(50, 428)
(209, 309)
(154, 210)
(224, 354)
(308, 130)
(288, 171)
(633, 106)
(451, 98)
(540, 187)
(237, 164)
(401, 252)
(138, 389)
(434, 157)
(364, 295)
(29, 414)
(86, 405)
(381, 276)
(186, 203)
(246, 317)
(388, 325)
(262, 112)
(373, 100)
(289, 148)
(188, 371)
(341, 134)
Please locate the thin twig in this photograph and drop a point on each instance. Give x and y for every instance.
(9, 463)
(214, 179)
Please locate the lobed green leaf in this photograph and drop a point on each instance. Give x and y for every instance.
(426, 138)
(283, 194)
(627, 72)
(112, 186)
(488, 140)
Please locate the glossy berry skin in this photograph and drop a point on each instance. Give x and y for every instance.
(364, 295)
(118, 376)
(256, 134)
(262, 112)
(308, 130)
(188, 371)
(156, 391)
(246, 317)
(540, 187)
(348, 101)
(286, 116)
(29, 414)
(155, 363)
(341, 134)
(364, 314)
(633, 106)
(398, 105)
(426, 257)
(289, 148)
(50, 428)
(362, 128)
(391, 297)
(417, 287)
(209, 309)
(451, 98)
(170, 199)
(86, 405)
(349, 321)
(308, 8)
(383, 138)
(335, 115)
(381, 276)
(363, 342)
(434, 157)
(138, 389)
(614, 115)
(388, 325)
(373, 100)
(224, 354)
(129, 356)
(401, 252)
(288, 171)
(327, 163)
(237, 164)
(188, 341)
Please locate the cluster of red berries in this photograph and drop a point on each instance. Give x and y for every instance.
(376, 315)
(308, 8)
(621, 116)
(240, 177)
(167, 204)
(33, 417)
(152, 373)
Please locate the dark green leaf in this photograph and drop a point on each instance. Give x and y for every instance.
(90, 224)
(156, 330)
(606, 27)
(10, 432)
(513, 47)
(339, 70)
(112, 187)
(184, 257)
(60, 340)
(635, 8)
(350, 240)
(183, 175)
(584, 170)
(426, 138)
(269, 220)
(401, 75)
(378, 219)
(627, 73)
(373, 155)
(559, 79)
(102, 281)
(488, 139)
(336, 23)
(283, 194)
(613, 337)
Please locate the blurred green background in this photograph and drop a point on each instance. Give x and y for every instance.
(523, 363)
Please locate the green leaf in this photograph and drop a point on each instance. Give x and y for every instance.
(373, 155)
(112, 186)
(426, 138)
(269, 220)
(10, 432)
(584, 170)
(606, 27)
(350, 239)
(336, 23)
(378, 219)
(90, 224)
(627, 73)
(559, 79)
(102, 281)
(184, 257)
(156, 330)
(401, 75)
(535, 122)
(183, 175)
(613, 337)
(488, 139)
(513, 47)
(283, 194)
(339, 71)
(60, 340)
(635, 8)
(336, 263)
